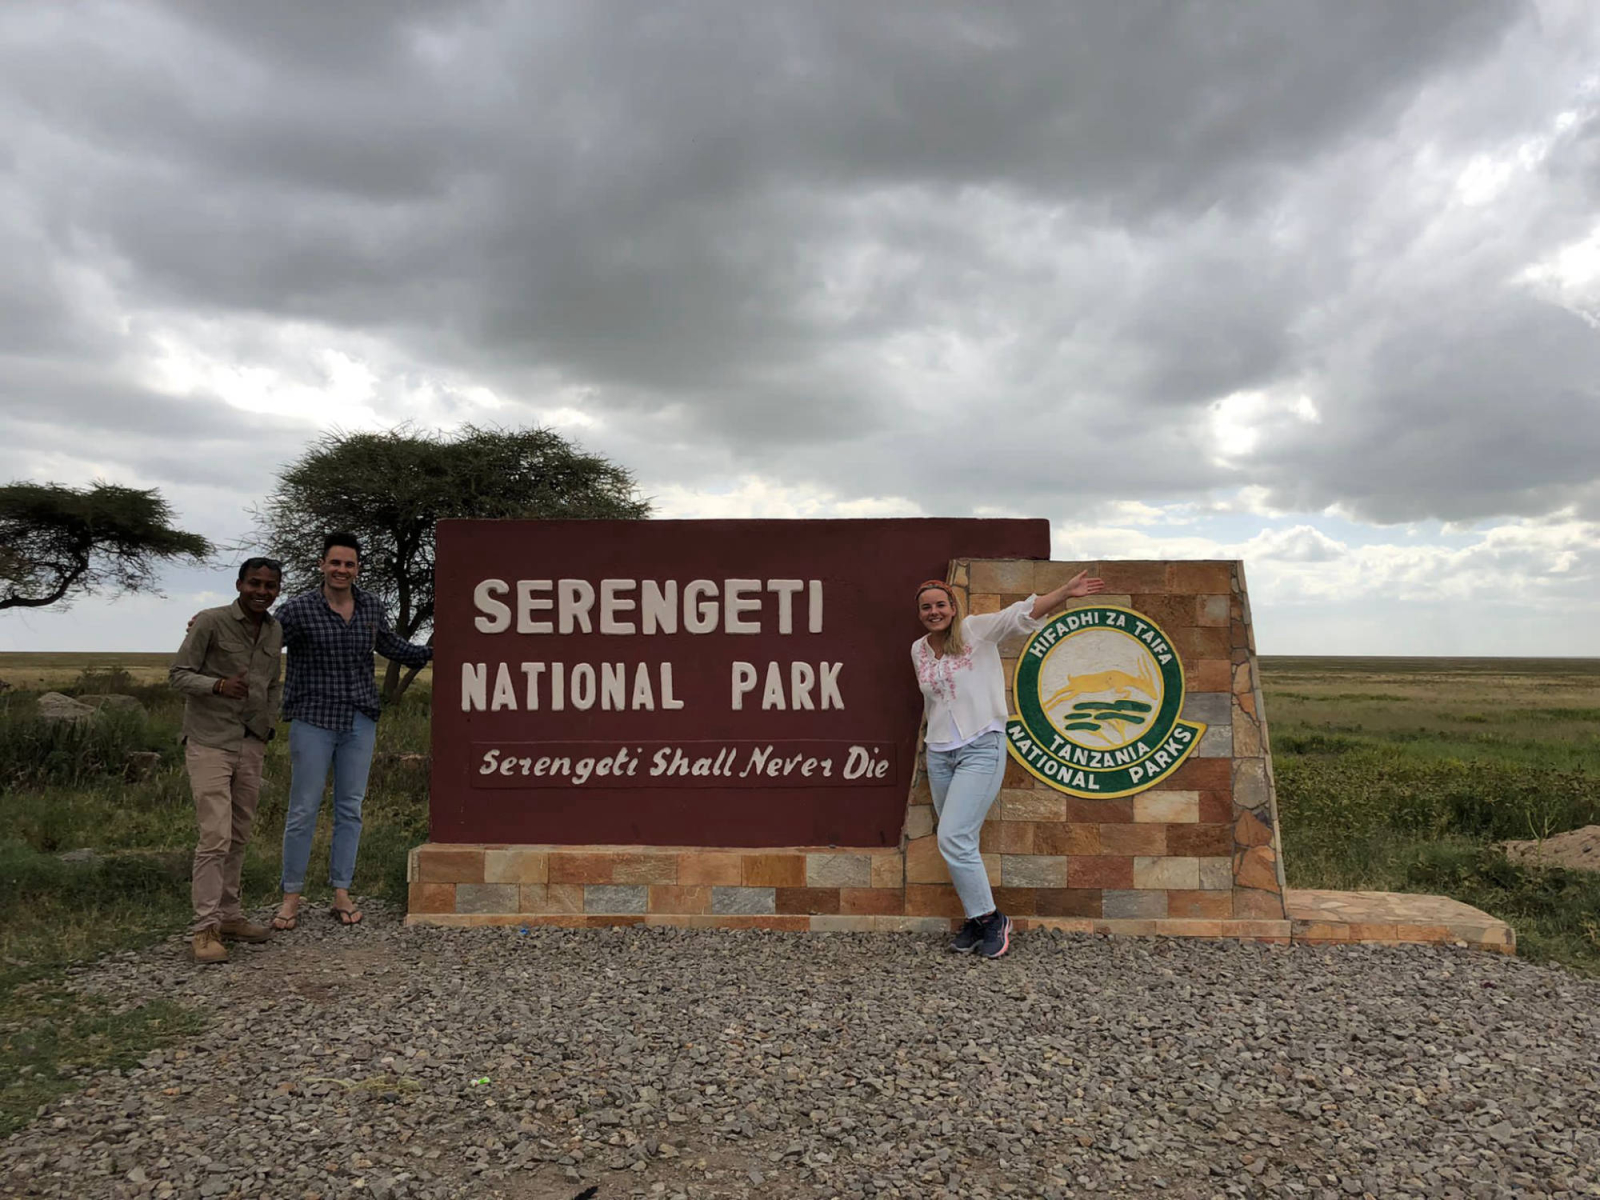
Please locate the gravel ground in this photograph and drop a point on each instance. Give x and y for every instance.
(385, 1062)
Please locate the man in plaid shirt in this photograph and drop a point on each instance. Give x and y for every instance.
(330, 699)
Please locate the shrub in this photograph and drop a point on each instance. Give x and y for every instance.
(1366, 791)
(27, 876)
(96, 681)
(37, 753)
(1556, 911)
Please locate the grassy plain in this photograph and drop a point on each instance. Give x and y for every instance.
(1393, 775)
(53, 670)
(1401, 774)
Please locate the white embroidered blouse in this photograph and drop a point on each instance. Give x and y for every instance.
(964, 696)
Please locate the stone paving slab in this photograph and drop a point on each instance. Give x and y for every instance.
(1393, 918)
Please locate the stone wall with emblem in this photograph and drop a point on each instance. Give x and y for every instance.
(1197, 849)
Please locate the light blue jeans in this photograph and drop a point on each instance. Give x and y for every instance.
(312, 751)
(964, 783)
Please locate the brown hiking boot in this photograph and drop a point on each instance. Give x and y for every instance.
(242, 930)
(208, 947)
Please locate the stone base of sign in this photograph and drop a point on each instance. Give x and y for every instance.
(829, 890)
(769, 888)
(1199, 855)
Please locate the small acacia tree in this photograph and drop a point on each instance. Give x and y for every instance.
(390, 488)
(58, 543)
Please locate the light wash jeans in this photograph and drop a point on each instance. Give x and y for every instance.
(964, 783)
(312, 750)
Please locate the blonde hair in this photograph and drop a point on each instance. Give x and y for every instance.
(954, 643)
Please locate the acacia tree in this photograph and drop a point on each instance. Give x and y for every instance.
(390, 488)
(58, 543)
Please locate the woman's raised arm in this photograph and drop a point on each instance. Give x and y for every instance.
(1079, 585)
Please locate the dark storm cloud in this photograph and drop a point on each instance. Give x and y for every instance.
(873, 247)
(59, 415)
(148, 439)
(1508, 423)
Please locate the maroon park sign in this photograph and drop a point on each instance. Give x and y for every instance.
(688, 683)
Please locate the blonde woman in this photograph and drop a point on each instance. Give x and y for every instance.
(964, 700)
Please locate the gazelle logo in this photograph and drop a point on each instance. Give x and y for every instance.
(1099, 691)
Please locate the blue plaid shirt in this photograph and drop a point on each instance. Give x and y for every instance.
(331, 675)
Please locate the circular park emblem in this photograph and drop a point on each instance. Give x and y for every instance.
(1099, 691)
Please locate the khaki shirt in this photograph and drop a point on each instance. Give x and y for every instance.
(223, 642)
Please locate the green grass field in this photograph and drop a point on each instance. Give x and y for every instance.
(1403, 774)
(1393, 775)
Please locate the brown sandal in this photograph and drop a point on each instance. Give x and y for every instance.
(283, 922)
(347, 916)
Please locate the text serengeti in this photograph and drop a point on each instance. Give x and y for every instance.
(625, 608)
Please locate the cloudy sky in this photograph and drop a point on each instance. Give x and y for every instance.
(1312, 284)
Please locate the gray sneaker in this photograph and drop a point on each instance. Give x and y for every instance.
(969, 938)
(996, 934)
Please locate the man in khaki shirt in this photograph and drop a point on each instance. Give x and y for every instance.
(229, 668)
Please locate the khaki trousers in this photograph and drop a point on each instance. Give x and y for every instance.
(227, 785)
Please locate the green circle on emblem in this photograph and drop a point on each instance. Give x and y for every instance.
(1099, 694)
